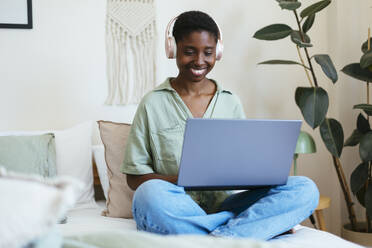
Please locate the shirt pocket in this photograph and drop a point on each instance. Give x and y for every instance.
(168, 143)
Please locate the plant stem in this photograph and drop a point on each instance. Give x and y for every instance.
(368, 219)
(369, 227)
(303, 63)
(306, 52)
(346, 191)
(336, 161)
(369, 47)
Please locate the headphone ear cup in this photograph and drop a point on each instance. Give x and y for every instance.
(219, 50)
(170, 47)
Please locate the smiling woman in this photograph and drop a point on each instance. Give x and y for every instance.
(198, 40)
(154, 147)
(197, 56)
(195, 59)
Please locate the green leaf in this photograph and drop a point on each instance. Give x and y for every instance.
(366, 60)
(361, 194)
(365, 46)
(359, 177)
(368, 200)
(289, 5)
(367, 108)
(354, 138)
(332, 136)
(363, 124)
(313, 103)
(273, 32)
(297, 35)
(354, 70)
(308, 23)
(296, 38)
(314, 8)
(365, 147)
(280, 62)
(327, 66)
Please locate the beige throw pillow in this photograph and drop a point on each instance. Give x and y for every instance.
(119, 197)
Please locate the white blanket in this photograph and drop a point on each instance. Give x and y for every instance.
(86, 220)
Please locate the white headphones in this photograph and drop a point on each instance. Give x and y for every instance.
(171, 46)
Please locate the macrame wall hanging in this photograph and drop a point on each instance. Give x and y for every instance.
(130, 45)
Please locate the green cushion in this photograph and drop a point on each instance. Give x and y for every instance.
(34, 154)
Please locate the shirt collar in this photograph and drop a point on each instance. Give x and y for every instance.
(167, 86)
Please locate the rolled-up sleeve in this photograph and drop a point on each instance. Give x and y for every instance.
(138, 158)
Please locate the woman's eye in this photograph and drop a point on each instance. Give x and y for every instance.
(189, 52)
(208, 53)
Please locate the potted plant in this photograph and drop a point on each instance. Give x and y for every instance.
(361, 178)
(313, 101)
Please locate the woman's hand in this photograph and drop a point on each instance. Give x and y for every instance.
(134, 181)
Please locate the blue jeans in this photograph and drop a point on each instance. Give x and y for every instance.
(164, 208)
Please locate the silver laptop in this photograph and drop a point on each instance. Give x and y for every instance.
(219, 154)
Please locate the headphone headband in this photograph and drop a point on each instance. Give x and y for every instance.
(171, 46)
(167, 31)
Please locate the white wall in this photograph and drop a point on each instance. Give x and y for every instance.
(54, 76)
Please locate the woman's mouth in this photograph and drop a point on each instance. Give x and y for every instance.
(198, 72)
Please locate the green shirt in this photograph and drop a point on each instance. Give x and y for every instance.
(156, 137)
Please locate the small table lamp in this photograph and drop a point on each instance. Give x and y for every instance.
(305, 144)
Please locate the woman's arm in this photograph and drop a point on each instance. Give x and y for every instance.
(134, 181)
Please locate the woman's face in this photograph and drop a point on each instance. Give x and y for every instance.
(196, 55)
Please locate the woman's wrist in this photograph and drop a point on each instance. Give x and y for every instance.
(134, 181)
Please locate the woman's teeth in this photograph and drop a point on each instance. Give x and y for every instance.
(198, 72)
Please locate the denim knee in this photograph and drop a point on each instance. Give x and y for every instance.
(148, 205)
(308, 192)
(149, 193)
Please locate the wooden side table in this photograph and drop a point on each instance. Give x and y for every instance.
(324, 202)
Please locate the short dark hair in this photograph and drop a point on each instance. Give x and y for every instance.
(191, 21)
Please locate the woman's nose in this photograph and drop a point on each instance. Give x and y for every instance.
(199, 60)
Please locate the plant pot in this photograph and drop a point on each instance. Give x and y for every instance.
(361, 238)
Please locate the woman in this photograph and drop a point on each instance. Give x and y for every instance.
(154, 148)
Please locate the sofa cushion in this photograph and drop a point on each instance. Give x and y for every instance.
(35, 154)
(119, 196)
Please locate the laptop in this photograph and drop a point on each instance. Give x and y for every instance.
(223, 154)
